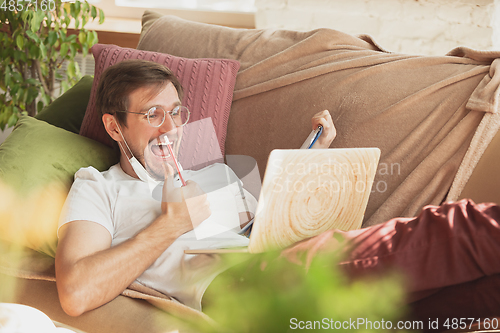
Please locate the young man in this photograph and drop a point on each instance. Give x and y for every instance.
(114, 231)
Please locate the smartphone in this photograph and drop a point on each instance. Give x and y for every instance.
(312, 138)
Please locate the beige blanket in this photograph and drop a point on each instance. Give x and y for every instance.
(432, 117)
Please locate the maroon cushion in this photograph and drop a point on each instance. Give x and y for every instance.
(208, 91)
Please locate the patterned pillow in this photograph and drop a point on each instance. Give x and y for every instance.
(208, 91)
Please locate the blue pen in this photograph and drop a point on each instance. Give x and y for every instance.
(312, 138)
(318, 131)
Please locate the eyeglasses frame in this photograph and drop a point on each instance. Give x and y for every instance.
(164, 114)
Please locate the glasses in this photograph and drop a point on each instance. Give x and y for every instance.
(156, 115)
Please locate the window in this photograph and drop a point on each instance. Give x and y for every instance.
(245, 6)
(234, 13)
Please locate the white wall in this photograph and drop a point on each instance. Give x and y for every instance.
(430, 27)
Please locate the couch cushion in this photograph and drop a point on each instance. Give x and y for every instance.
(68, 110)
(208, 90)
(37, 164)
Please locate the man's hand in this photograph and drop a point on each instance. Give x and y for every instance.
(324, 119)
(184, 207)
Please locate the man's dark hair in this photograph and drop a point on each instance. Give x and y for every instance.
(121, 79)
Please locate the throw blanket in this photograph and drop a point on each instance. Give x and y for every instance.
(432, 117)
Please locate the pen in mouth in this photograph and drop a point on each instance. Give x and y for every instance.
(169, 147)
(161, 150)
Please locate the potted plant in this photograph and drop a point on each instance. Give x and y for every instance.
(36, 37)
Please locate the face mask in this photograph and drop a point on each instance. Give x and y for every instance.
(139, 169)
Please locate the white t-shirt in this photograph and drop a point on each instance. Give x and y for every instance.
(125, 205)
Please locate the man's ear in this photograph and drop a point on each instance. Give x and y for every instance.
(111, 126)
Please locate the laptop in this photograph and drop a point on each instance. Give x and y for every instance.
(306, 192)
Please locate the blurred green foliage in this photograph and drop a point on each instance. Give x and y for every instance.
(34, 43)
(265, 292)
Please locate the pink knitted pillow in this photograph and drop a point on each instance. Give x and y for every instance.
(208, 92)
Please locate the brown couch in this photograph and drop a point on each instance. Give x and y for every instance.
(432, 117)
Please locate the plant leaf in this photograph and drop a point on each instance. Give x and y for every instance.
(52, 38)
(39, 106)
(64, 86)
(33, 82)
(12, 119)
(46, 99)
(72, 48)
(14, 88)
(95, 38)
(20, 42)
(77, 71)
(5, 54)
(25, 14)
(43, 51)
(7, 76)
(64, 50)
(101, 16)
(19, 95)
(17, 55)
(17, 76)
(71, 38)
(71, 69)
(77, 8)
(82, 37)
(36, 20)
(34, 51)
(33, 36)
(24, 95)
(85, 50)
(32, 94)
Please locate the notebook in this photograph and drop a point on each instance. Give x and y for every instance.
(308, 191)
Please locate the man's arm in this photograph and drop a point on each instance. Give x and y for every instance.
(90, 273)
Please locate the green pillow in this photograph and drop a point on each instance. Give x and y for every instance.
(37, 165)
(68, 110)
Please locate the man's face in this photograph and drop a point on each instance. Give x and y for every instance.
(145, 141)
